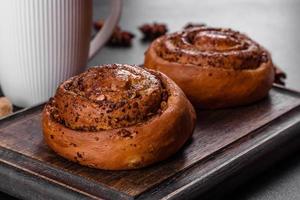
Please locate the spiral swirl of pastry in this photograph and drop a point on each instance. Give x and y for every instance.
(215, 67)
(211, 47)
(108, 97)
(118, 117)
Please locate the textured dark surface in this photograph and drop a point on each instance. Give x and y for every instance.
(273, 23)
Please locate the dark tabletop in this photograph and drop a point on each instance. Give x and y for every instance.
(273, 23)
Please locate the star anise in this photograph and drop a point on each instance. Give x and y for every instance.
(191, 25)
(153, 31)
(119, 36)
(280, 76)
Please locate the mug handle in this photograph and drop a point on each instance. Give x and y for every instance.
(102, 36)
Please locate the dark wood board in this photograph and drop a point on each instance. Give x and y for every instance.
(224, 143)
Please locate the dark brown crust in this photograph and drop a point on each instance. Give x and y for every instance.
(219, 73)
(129, 147)
(107, 97)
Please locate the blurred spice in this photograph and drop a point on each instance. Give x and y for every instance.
(280, 76)
(153, 31)
(191, 25)
(119, 37)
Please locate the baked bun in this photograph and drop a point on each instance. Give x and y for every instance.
(118, 117)
(215, 67)
(6, 107)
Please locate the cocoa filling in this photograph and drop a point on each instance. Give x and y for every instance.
(109, 97)
(211, 47)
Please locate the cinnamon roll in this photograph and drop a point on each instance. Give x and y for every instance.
(215, 67)
(118, 117)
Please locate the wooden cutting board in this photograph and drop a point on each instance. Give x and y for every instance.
(225, 143)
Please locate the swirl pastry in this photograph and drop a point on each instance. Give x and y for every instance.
(215, 67)
(118, 117)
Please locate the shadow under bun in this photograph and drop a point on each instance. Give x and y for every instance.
(118, 117)
(215, 67)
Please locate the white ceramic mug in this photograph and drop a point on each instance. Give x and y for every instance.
(44, 42)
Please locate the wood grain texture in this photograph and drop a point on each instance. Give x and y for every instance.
(221, 138)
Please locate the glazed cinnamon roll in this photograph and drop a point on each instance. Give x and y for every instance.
(118, 117)
(215, 67)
